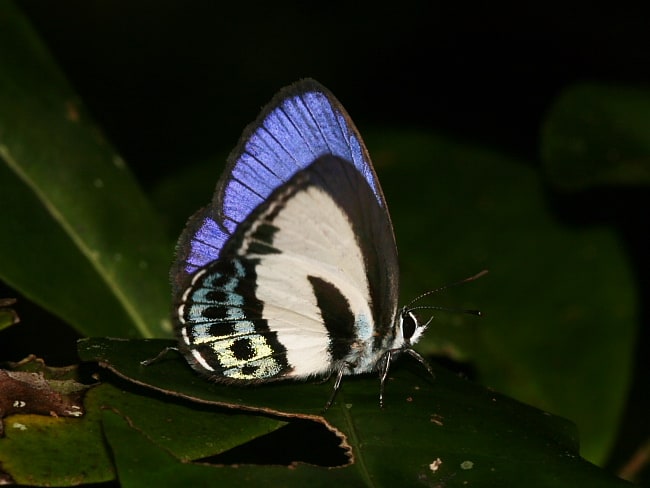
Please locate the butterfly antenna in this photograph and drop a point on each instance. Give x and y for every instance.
(447, 309)
(443, 288)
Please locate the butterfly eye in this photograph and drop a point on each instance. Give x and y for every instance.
(409, 324)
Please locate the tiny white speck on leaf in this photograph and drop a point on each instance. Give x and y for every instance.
(436, 419)
(437, 462)
(466, 465)
(72, 111)
(19, 426)
(118, 162)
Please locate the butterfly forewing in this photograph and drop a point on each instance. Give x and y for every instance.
(303, 122)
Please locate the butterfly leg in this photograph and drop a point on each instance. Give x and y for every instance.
(337, 385)
(385, 366)
(158, 356)
(422, 361)
(324, 379)
(383, 374)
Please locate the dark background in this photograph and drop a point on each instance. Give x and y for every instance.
(169, 81)
(172, 83)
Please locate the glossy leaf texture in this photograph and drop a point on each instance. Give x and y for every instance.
(43, 450)
(79, 237)
(597, 135)
(557, 299)
(448, 431)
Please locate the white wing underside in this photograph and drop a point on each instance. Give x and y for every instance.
(314, 238)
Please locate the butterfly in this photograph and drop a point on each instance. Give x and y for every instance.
(291, 271)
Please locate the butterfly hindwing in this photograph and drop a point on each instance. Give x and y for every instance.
(224, 329)
(306, 283)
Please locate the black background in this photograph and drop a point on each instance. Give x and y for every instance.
(169, 81)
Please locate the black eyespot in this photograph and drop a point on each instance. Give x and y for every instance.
(409, 324)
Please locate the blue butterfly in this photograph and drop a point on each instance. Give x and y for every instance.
(291, 272)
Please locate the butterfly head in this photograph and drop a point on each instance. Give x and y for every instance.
(409, 329)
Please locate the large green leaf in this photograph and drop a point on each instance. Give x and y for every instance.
(444, 431)
(556, 301)
(598, 135)
(78, 235)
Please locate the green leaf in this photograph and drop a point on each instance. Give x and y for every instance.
(30, 387)
(50, 439)
(447, 431)
(556, 301)
(188, 431)
(598, 135)
(8, 316)
(44, 450)
(78, 235)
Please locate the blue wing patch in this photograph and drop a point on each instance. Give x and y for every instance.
(302, 123)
